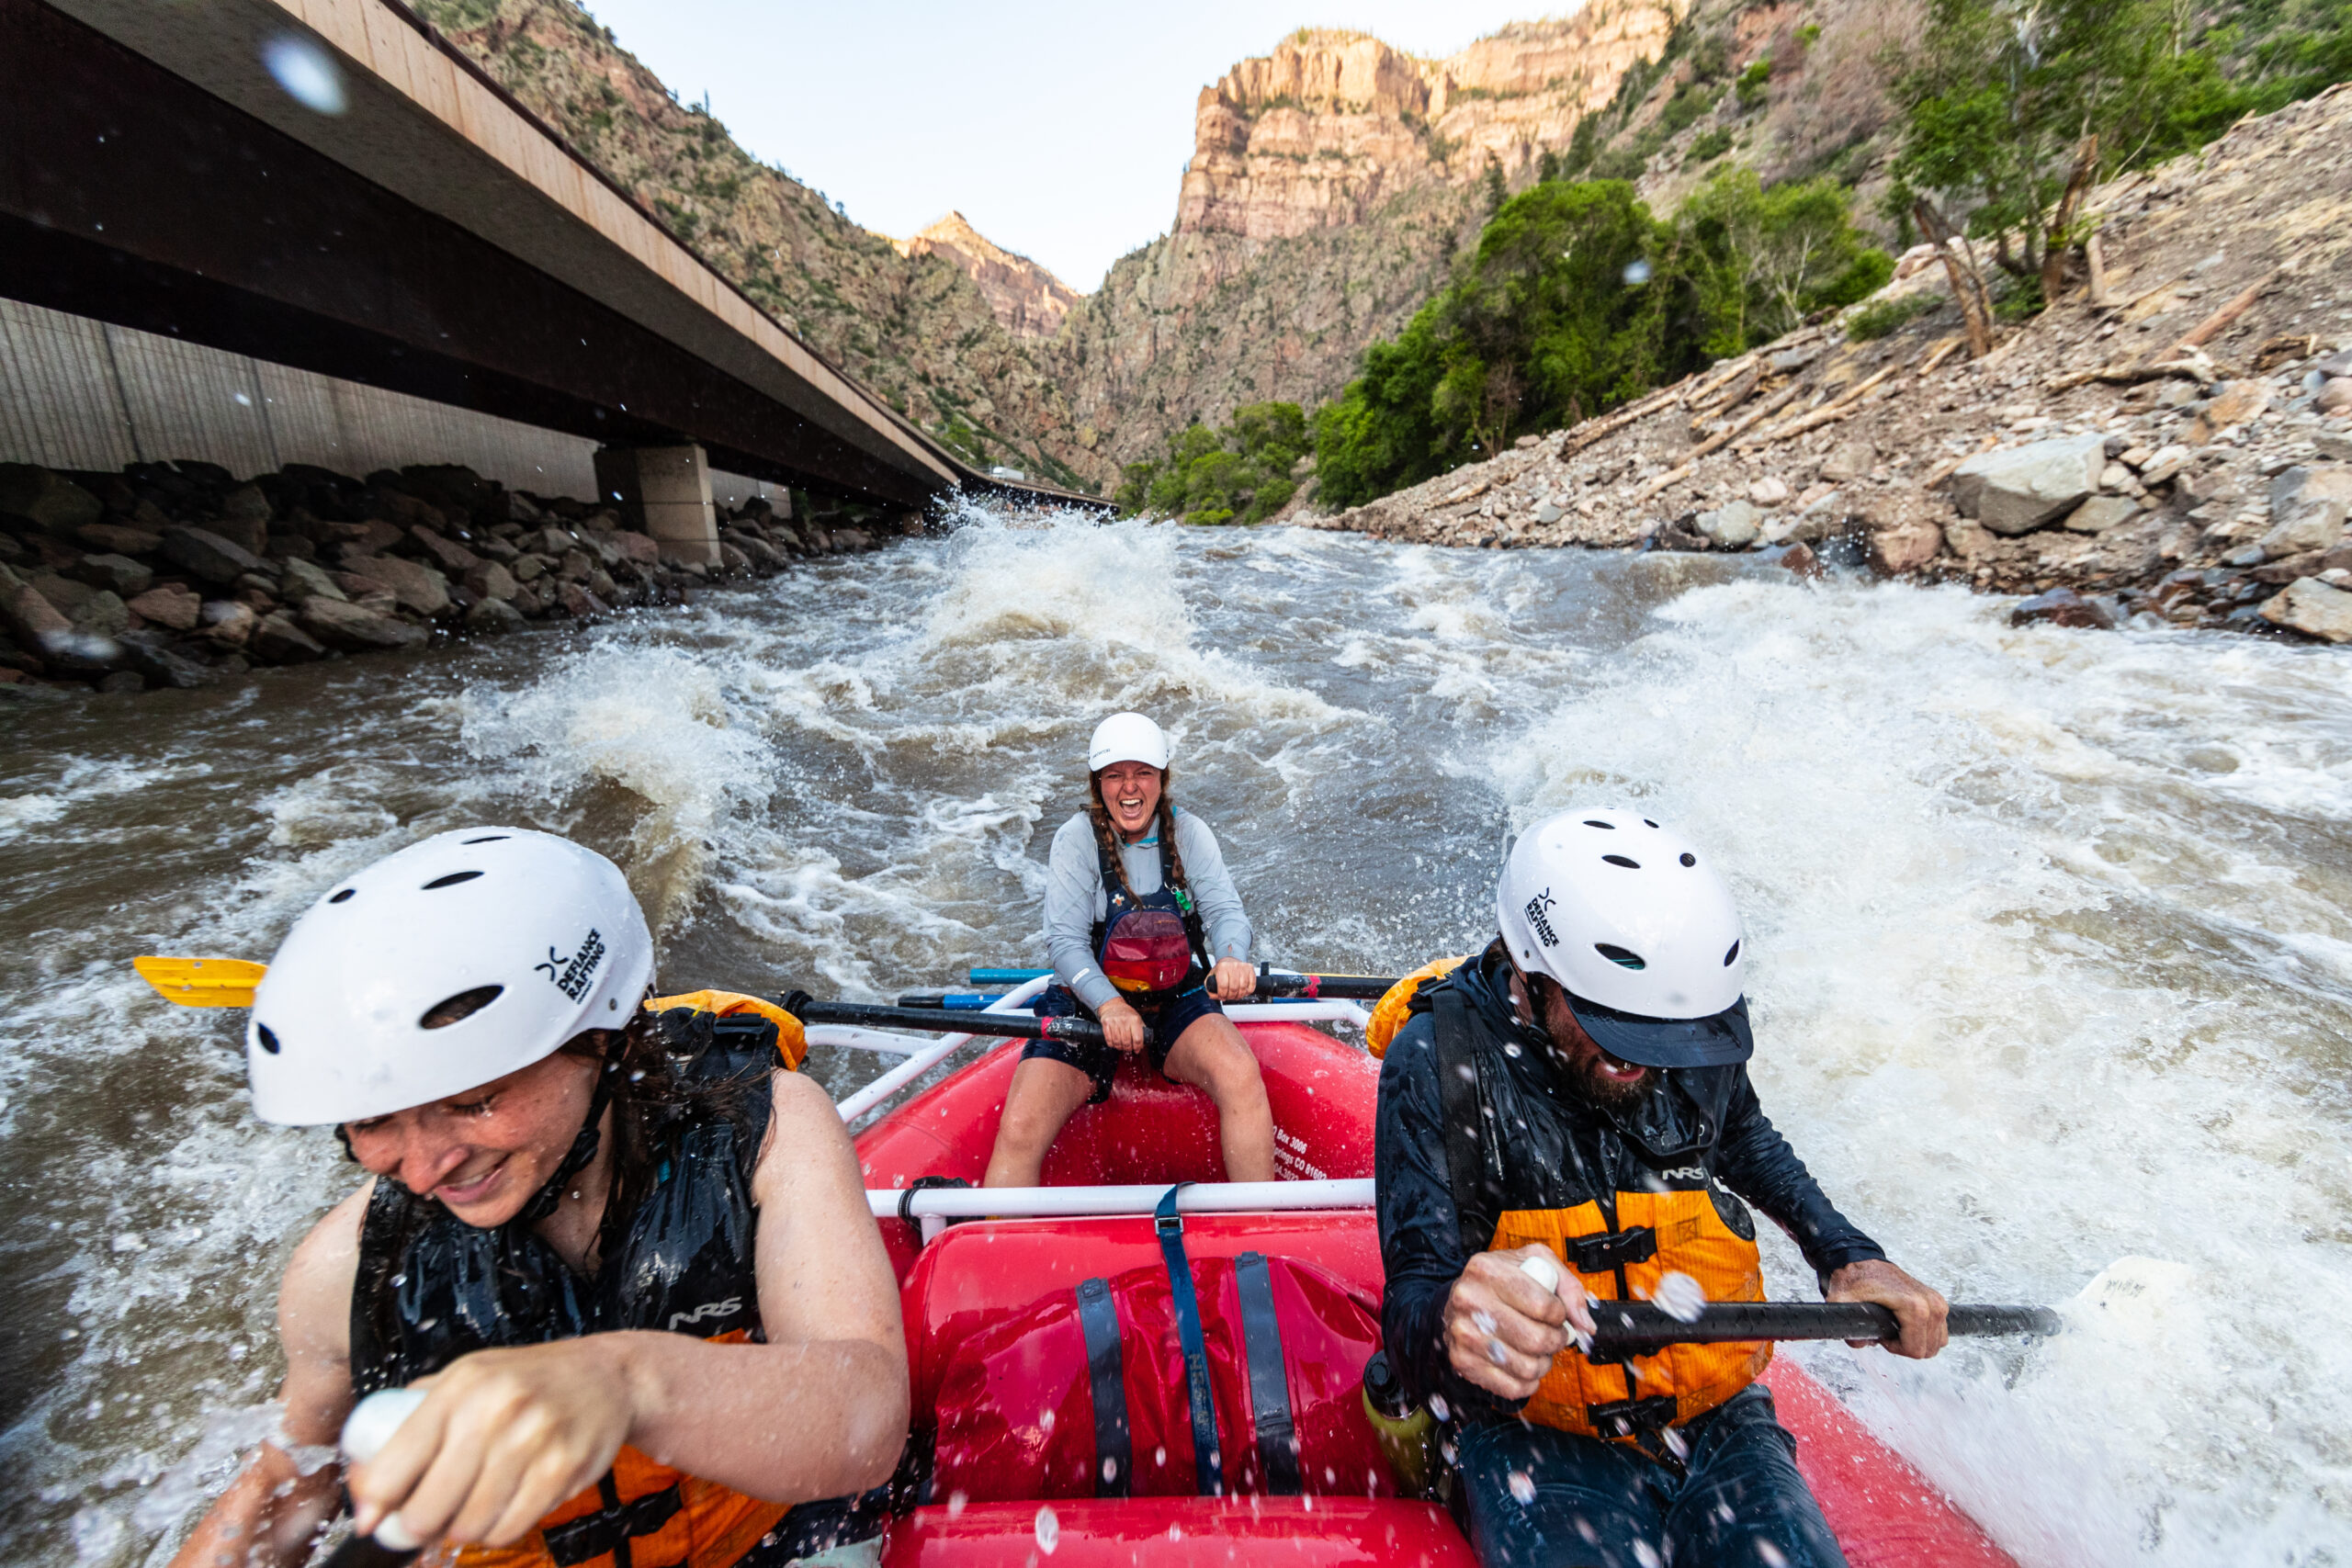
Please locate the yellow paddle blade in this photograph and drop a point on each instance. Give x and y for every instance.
(202, 982)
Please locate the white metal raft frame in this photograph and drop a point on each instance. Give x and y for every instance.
(933, 1207)
(922, 1053)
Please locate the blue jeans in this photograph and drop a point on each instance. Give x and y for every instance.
(1599, 1505)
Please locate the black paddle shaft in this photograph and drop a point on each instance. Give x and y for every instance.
(999, 1025)
(1639, 1327)
(365, 1551)
(1339, 988)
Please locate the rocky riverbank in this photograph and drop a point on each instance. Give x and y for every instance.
(2173, 438)
(179, 574)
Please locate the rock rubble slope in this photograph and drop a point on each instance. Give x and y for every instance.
(2175, 442)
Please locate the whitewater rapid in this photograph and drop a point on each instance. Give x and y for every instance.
(2051, 950)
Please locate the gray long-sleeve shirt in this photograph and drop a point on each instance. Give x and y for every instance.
(1076, 898)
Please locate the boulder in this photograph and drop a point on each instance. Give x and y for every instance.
(36, 624)
(729, 556)
(575, 567)
(304, 581)
(853, 540)
(452, 487)
(244, 517)
(527, 602)
(206, 554)
(114, 539)
(2063, 607)
(488, 580)
(118, 574)
(339, 624)
(493, 618)
(1850, 460)
(448, 553)
(1730, 528)
(2163, 465)
(1546, 515)
(579, 604)
(2334, 395)
(68, 596)
(530, 569)
(2301, 488)
(280, 640)
(550, 541)
(417, 586)
(48, 502)
(102, 614)
(2101, 512)
(2017, 490)
(171, 605)
(2243, 399)
(1894, 551)
(1769, 491)
(122, 682)
(603, 587)
(1796, 557)
(2312, 608)
(160, 664)
(228, 623)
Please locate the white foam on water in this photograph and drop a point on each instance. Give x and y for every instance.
(2053, 972)
(2055, 1008)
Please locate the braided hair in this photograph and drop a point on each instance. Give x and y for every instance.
(1107, 837)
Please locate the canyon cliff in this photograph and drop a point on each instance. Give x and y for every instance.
(1028, 300)
(1331, 182)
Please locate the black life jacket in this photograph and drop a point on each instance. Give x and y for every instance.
(431, 1287)
(1149, 945)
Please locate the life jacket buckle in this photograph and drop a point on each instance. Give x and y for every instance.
(1624, 1417)
(1599, 1253)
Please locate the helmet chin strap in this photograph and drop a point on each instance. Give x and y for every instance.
(1531, 1028)
(584, 1144)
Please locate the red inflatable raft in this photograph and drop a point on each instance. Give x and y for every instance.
(999, 1368)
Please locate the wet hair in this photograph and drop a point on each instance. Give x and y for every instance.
(1107, 837)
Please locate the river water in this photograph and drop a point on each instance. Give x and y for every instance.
(2052, 956)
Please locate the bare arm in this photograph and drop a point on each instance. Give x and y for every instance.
(270, 1517)
(819, 1411)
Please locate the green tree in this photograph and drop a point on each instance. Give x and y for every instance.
(1238, 473)
(1761, 261)
(1573, 301)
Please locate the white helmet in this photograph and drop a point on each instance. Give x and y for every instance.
(1126, 738)
(547, 927)
(1636, 925)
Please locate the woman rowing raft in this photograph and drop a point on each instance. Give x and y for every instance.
(1146, 933)
(631, 1264)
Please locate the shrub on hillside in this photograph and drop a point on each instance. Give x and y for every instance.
(1881, 317)
(1236, 473)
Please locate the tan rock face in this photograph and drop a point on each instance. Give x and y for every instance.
(1333, 124)
(1028, 300)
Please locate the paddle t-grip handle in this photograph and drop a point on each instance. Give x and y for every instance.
(365, 1432)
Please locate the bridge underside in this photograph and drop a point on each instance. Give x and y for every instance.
(132, 196)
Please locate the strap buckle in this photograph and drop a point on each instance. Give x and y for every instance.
(1611, 1249)
(1624, 1417)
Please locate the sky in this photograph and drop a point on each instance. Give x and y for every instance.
(1059, 130)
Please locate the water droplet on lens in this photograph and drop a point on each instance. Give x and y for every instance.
(955, 1501)
(1049, 1531)
(1523, 1490)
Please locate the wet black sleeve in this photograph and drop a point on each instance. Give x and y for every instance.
(1420, 1238)
(1756, 1162)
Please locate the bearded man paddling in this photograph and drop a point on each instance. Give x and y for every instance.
(1567, 1117)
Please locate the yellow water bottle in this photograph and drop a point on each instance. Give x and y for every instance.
(1405, 1430)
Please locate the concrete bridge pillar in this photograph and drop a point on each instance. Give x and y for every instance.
(666, 492)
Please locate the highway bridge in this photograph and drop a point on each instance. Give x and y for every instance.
(411, 228)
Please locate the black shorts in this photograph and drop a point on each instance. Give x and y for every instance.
(1167, 1021)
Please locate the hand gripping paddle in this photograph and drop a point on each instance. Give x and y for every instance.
(364, 1433)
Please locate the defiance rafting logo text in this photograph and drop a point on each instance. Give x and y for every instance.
(1535, 908)
(572, 975)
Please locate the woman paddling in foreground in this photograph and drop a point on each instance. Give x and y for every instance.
(1144, 931)
(638, 1279)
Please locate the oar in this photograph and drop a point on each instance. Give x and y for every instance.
(1272, 982)
(998, 1025)
(202, 982)
(1639, 1327)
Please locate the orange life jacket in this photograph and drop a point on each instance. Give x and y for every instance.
(1656, 1234)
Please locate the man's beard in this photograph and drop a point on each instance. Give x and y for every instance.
(1590, 1084)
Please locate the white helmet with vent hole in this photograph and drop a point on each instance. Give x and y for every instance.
(526, 938)
(1634, 923)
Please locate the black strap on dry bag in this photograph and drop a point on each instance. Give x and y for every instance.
(1261, 1346)
(1113, 1449)
(1208, 1468)
(1477, 1202)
